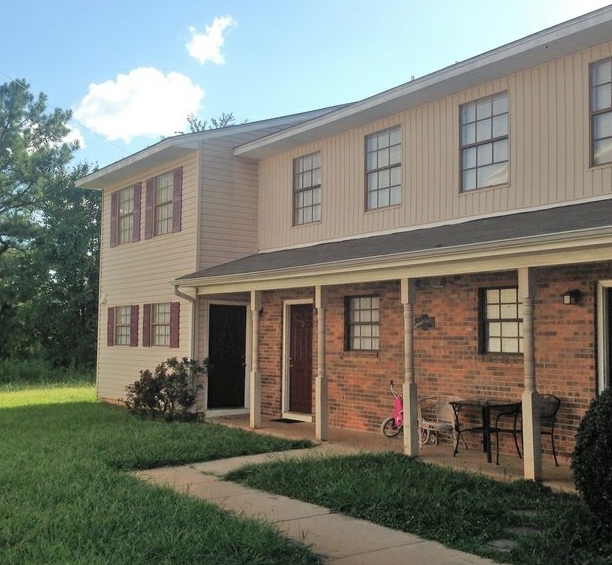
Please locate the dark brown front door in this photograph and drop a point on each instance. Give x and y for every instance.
(300, 359)
(226, 352)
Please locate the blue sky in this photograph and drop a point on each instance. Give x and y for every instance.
(132, 70)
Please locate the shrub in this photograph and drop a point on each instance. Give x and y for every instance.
(169, 392)
(592, 455)
(39, 371)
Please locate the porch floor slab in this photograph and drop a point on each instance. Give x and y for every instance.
(471, 460)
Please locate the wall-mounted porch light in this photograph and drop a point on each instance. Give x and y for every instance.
(571, 296)
(425, 322)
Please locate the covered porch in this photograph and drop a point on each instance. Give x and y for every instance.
(521, 250)
(558, 479)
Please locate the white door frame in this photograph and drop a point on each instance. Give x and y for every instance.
(603, 339)
(285, 361)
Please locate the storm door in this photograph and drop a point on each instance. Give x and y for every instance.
(300, 358)
(604, 335)
(226, 352)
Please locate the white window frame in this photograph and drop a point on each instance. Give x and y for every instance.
(363, 323)
(307, 189)
(600, 86)
(164, 201)
(160, 324)
(485, 142)
(501, 320)
(125, 219)
(123, 325)
(383, 168)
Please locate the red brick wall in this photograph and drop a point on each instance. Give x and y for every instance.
(447, 359)
(271, 347)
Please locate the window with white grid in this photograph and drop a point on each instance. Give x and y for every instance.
(307, 189)
(363, 322)
(383, 168)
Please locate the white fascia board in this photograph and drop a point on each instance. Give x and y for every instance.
(181, 145)
(556, 249)
(536, 49)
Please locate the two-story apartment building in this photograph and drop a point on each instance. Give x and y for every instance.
(453, 233)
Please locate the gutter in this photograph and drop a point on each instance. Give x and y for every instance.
(528, 245)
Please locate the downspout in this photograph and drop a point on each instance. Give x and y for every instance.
(203, 402)
(192, 345)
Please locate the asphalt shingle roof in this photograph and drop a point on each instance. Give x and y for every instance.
(561, 220)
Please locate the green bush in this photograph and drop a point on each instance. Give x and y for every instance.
(169, 392)
(592, 456)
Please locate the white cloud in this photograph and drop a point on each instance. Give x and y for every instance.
(145, 102)
(75, 135)
(207, 46)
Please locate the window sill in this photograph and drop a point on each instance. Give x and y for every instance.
(383, 208)
(368, 353)
(484, 189)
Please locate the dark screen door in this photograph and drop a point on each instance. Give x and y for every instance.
(226, 352)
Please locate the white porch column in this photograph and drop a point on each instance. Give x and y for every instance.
(411, 424)
(532, 452)
(321, 394)
(255, 375)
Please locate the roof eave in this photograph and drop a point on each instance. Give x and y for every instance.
(182, 145)
(536, 49)
(429, 262)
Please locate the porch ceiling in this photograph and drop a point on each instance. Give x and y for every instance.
(576, 233)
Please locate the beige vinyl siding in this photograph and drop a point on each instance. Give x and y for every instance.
(139, 273)
(549, 161)
(228, 187)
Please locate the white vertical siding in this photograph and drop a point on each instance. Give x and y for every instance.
(549, 161)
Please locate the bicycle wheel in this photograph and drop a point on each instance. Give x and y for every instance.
(388, 427)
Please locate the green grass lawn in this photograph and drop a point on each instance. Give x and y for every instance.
(460, 510)
(65, 497)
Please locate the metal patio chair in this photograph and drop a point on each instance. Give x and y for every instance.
(549, 406)
(436, 416)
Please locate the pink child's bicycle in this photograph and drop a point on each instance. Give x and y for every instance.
(393, 425)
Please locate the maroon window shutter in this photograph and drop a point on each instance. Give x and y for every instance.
(146, 325)
(137, 206)
(149, 219)
(175, 314)
(114, 218)
(134, 326)
(177, 199)
(110, 327)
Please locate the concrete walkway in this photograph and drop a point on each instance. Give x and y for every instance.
(339, 539)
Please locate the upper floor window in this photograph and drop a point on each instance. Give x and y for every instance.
(122, 326)
(362, 322)
(601, 112)
(125, 215)
(484, 142)
(501, 328)
(383, 168)
(307, 189)
(164, 203)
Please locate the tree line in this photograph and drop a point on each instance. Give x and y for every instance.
(49, 236)
(49, 233)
